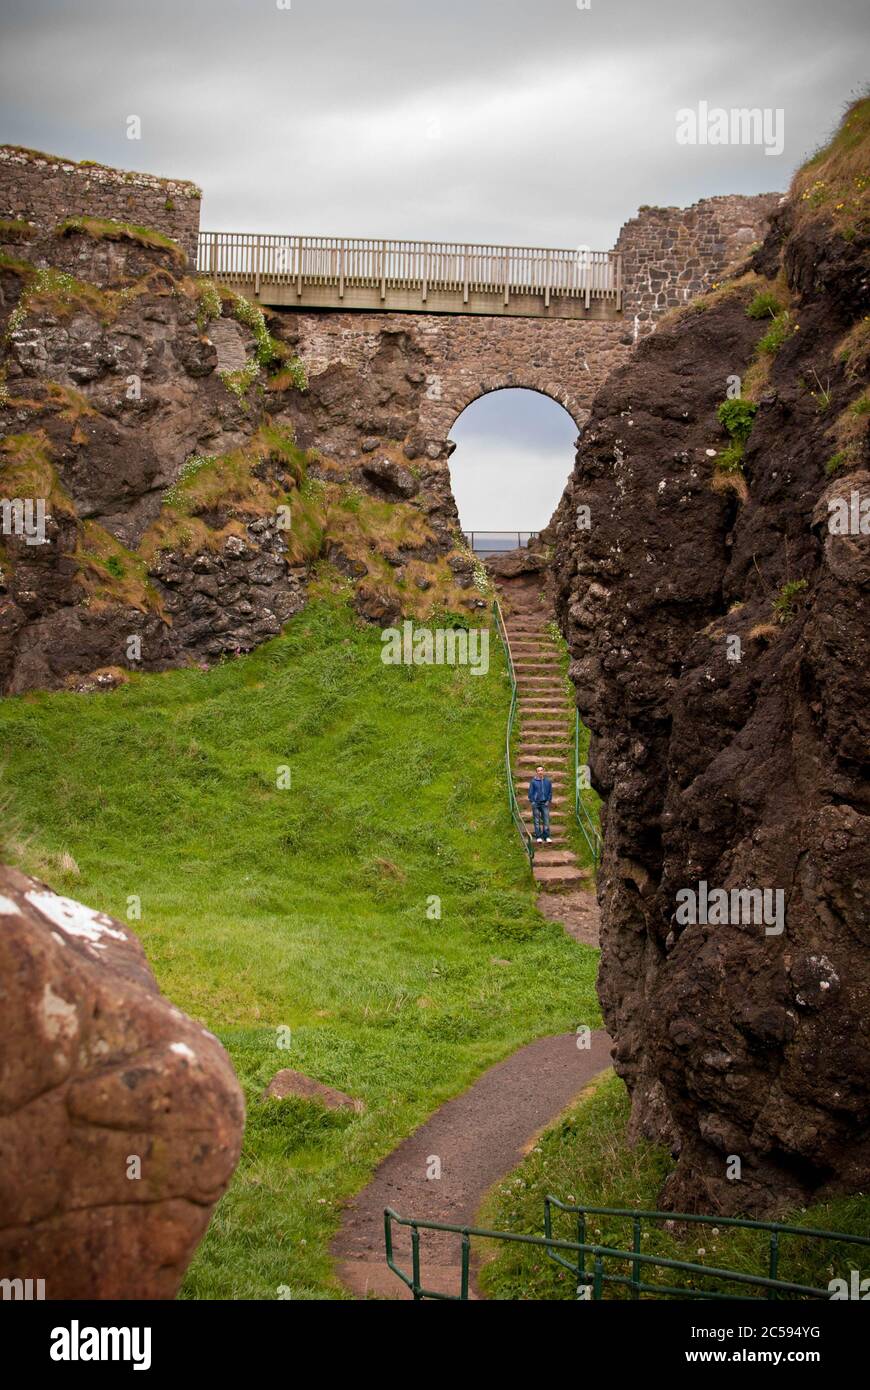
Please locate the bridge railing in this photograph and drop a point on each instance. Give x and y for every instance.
(497, 542)
(247, 258)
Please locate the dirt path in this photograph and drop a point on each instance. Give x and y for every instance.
(478, 1137)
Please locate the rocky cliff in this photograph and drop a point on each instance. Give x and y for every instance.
(172, 482)
(712, 574)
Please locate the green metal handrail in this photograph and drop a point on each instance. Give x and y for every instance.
(524, 832)
(591, 833)
(596, 1279)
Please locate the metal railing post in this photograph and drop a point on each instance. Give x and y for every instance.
(415, 1262)
(773, 1261)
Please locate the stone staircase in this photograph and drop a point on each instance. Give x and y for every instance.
(546, 732)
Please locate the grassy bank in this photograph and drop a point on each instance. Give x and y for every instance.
(311, 907)
(585, 1158)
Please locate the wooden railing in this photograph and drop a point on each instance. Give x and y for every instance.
(421, 267)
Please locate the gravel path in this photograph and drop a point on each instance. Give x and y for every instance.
(479, 1137)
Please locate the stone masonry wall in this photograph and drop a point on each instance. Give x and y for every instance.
(669, 255)
(45, 189)
(466, 356)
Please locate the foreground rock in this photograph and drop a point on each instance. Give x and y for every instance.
(288, 1083)
(120, 1117)
(720, 632)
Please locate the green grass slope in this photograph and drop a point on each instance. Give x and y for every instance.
(308, 908)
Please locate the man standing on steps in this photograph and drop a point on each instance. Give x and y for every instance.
(540, 795)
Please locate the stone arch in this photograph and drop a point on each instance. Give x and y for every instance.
(468, 357)
(501, 479)
(523, 382)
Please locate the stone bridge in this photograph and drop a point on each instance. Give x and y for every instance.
(473, 318)
(488, 317)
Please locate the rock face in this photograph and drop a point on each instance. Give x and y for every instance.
(719, 634)
(120, 1118)
(119, 389)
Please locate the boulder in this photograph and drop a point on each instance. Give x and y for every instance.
(391, 477)
(515, 562)
(288, 1083)
(121, 1118)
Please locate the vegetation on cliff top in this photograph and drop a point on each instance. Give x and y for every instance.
(106, 229)
(836, 179)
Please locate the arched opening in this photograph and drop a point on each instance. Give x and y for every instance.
(514, 451)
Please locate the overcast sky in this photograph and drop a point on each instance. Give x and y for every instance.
(521, 121)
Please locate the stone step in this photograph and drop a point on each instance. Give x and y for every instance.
(546, 855)
(552, 711)
(553, 874)
(545, 733)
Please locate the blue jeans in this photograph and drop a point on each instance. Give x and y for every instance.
(541, 818)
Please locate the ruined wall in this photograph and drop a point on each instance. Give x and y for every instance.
(672, 254)
(45, 189)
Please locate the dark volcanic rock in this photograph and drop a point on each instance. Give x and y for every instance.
(392, 477)
(738, 771)
(515, 562)
(120, 1118)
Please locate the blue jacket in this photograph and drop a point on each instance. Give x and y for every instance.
(540, 790)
